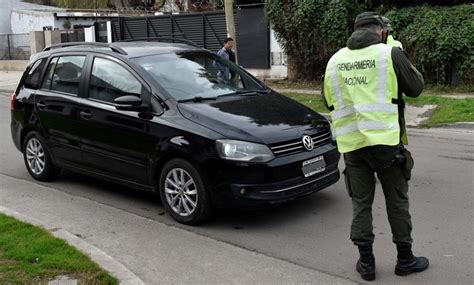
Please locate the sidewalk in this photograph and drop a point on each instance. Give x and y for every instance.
(155, 252)
(9, 80)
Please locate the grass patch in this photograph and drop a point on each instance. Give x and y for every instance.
(435, 89)
(448, 110)
(430, 89)
(31, 255)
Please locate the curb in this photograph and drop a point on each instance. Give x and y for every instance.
(108, 263)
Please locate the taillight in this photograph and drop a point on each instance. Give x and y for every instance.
(12, 101)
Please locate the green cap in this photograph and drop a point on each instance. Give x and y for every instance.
(387, 24)
(366, 18)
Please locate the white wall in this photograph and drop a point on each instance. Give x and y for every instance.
(25, 21)
(7, 6)
(275, 72)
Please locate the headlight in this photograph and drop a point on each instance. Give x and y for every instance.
(243, 151)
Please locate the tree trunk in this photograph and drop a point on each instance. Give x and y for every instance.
(292, 68)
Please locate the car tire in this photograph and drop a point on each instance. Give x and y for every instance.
(183, 192)
(38, 159)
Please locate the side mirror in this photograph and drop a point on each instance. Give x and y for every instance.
(130, 103)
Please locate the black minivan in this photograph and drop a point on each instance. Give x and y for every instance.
(171, 118)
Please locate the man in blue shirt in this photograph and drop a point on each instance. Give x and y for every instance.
(227, 53)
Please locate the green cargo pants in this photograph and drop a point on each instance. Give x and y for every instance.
(361, 166)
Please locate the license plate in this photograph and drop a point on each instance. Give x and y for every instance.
(313, 166)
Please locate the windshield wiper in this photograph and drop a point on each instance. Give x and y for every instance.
(197, 99)
(257, 91)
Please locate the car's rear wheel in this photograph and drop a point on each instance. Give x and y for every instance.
(37, 158)
(183, 192)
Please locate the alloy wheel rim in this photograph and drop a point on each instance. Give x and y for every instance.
(35, 156)
(181, 192)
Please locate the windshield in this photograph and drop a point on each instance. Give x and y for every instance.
(200, 74)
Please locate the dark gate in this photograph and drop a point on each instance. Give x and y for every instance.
(208, 30)
(253, 37)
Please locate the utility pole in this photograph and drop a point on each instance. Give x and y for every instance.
(229, 20)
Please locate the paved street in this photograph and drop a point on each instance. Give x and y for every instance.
(295, 242)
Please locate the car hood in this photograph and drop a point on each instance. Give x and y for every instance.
(268, 118)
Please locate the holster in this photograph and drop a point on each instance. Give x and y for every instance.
(406, 162)
(403, 159)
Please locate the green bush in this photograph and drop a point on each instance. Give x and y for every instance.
(439, 40)
(311, 31)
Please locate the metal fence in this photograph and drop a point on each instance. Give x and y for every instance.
(15, 46)
(207, 29)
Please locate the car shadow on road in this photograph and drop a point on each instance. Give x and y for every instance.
(277, 215)
(148, 204)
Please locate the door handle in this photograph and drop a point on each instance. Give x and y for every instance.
(41, 105)
(85, 114)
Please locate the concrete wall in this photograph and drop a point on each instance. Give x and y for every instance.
(13, 65)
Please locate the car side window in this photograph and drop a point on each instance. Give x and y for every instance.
(67, 74)
(109, 80)
(64, 74)
(49, 73)
(33, 77)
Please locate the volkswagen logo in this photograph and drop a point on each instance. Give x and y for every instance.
(308, 142)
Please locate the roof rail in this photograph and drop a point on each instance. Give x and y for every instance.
(96, 44)
(162, 38)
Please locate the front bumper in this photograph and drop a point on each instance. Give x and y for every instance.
(287, 190)
(246, 185)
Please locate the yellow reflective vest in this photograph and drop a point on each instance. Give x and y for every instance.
(360, 87)
(393, 42)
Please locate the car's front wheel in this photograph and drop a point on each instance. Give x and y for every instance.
(183, 192)
(37, 158)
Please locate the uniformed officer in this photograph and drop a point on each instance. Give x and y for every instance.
(362, 88)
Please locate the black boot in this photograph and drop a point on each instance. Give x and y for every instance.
(366, 264)
(407, 263)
